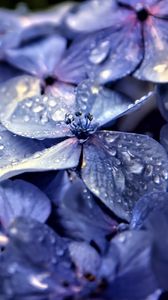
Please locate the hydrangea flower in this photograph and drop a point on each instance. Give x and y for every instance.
(117, 167)
(122, 37)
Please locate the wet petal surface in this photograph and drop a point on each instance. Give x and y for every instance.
(24, 111)
(115, 171)
(61, 156)
(155, 62)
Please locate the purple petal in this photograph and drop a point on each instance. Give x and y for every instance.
(105, 105)
(105, 55)
(79, 214)
(34, 262)
(150, 204)
(137, 5)
(133, 278)
(91, 16)
(120, 167)
(61, 156)
(154, 66)
(40, 58)
(20, 198)
(24, 111)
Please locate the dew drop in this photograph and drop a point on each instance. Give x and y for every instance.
(157, 179)
(99, 53)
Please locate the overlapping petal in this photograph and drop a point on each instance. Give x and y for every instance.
(61, 156)
(26, 112)
(38, 58)
(79, 213)
(115, 171)
(20, 198)
(105, 105)
(105, 55)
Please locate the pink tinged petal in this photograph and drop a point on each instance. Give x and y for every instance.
(61, 156)
(120, 167)
(154, 66)
(24, 111)
(104, 55)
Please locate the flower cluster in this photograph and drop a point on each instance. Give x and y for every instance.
(83, 200)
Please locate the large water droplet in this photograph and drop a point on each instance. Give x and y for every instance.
(99, 53)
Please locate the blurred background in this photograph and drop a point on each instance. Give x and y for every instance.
(31, 4)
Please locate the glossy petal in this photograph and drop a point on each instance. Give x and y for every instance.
(20, 198)
(105, 105)
(154, 66)
(14, 148)
(105, 56)
(79, 214)
(24, 111)
(162, 99)
(61, 156)
(40, 58)
(120, 167)
(133, 277)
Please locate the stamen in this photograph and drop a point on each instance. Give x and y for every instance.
(80, 125)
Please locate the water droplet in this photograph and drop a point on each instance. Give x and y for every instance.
(100, 52)
(38, 108)
(157, 179)
(26, 118)
(1, 147)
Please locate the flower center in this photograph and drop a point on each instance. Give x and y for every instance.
(142, 14)
(81, 124)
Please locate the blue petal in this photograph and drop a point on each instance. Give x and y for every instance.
(133, 277)
(78, 211)
(154, 66)
(91, 16)
(120, 167)
(33, 261)
(162, 99)
(105, 105)
(20, 198)
(105, 55)
(24, 111)
(39, 59)
(152, 204)
(22, 157)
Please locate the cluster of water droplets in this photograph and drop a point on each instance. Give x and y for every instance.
(41, 109)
